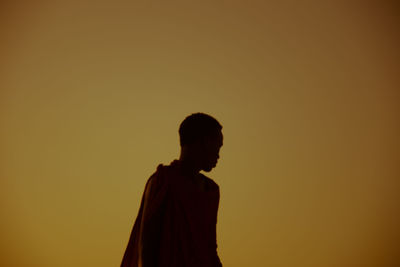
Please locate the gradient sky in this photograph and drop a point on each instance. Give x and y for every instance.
(92, 94)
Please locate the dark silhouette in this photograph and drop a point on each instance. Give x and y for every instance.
(176, 223)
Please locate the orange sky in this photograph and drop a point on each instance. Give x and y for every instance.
(92, 94)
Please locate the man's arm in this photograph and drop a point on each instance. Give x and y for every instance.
(217, 259)
(153, 211)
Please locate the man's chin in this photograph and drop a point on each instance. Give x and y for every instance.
(209, 168)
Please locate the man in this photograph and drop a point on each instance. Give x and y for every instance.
(176, 223)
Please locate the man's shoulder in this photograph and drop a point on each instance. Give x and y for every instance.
(159, 176)
(169, 173)
(164, 172)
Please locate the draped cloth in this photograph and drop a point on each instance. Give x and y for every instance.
(182, 219)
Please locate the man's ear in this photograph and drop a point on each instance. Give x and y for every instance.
(203, 141)
(198, 145)
(193, 146)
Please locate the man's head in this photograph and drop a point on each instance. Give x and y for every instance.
(201, 139)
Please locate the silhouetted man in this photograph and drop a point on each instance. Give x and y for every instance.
(176, 223)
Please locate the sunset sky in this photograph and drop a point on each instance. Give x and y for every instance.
(92, 94)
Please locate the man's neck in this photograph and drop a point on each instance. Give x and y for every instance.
(189, 167)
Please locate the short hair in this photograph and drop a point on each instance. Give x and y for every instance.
(196, 126)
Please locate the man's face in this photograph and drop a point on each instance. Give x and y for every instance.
(210, 150)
